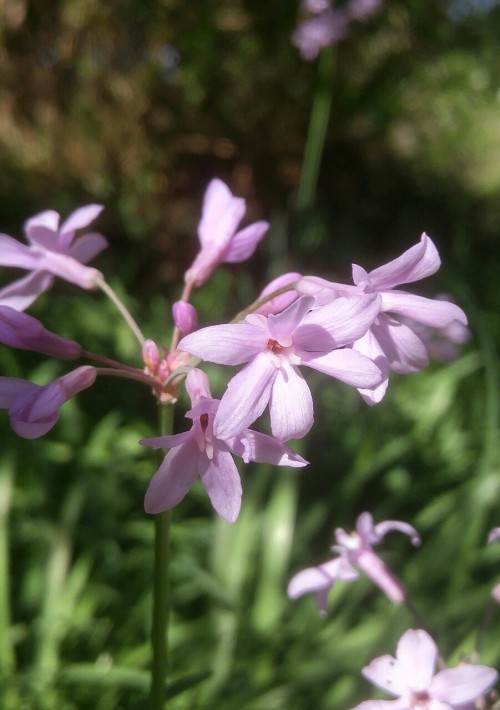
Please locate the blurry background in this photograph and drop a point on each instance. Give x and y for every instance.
(137, 105)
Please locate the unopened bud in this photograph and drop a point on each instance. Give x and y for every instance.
(185, 317)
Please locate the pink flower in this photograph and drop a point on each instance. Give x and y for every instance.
(220, 242)
(354, 549)
(34, 409)
(411, 678)
(200, 453)
(19, 330)
(319, 31)
(392, 341)
(274, 347)
(51, 252)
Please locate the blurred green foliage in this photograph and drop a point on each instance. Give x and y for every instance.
(138, 105)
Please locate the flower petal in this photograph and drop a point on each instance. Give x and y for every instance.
(376, 570)
(429, 311)
(417, 654)
(168, 441)
(404, 350)
(253, 446)
(369, 346)
(229, 344)
(279, 303)
(381, 529)
(197, 385)
(462, 684)
(346, 318)
(13, 253)
(87, 247)
(174, 478)
(78, 219)
(283, 325)
(20, 294)
(323, 576)
(244, 242)
(246, 397)
(223, 485)
(42, 229)
(221, 214)
(10, 387)
(386, 673)
(416, 263)
(348, 366)
(290, 404)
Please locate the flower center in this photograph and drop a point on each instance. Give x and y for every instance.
(419, 699)
(275, 347)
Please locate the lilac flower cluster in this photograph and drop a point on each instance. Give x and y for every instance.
(322, 25)
(354, 333)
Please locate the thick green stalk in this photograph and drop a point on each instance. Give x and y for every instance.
(161, 590)
(318, 124)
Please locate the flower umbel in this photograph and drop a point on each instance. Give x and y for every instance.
(354, 549)
(410, 677)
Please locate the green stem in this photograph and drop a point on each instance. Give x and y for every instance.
(161, 591)
(318, 124)
(6, 649)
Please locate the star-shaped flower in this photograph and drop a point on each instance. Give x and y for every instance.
(354, 550)
(411, 678)
(52, 252)
(200, 453)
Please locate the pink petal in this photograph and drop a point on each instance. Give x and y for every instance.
(417, 654)
(381, 529)
(253, 446)
(346, 318)
(291, 404)
(494, 535)
(462, 684)
(230, 344)
(197, 385)
(169, 441)
(13, 253)
(77, 380)
(246, 397)
(279, 303)
(404, 350)
(221, 214)
(429, 311)
(386, 673)
(223, 485)
(10, 387)
(369, 346)
(20, 294)
(244, 242)
(348, 366)
(375, 569)
(282, 326)
(174, 478)
(400, 704)
(87, 247)
(78, 219)
(323, 576)
(20, 330)
(42, 229)
(416, 263)
(70, 270)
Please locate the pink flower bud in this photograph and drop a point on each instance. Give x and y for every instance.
(151, 355)
(22, 331)
(185, 317)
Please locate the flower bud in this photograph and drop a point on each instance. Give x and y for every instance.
(185, 317)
